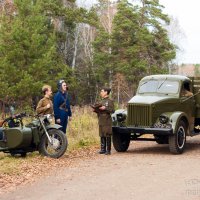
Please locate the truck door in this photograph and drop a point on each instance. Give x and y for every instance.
(188, 102)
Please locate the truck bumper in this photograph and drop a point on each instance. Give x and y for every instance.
(157, 131)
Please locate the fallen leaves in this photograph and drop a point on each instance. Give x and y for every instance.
(35, 167)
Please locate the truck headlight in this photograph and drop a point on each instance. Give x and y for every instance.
(121, 117)
(163, 119)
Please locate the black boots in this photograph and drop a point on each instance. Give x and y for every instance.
(108, 143)
(105, 141)
(103, 145)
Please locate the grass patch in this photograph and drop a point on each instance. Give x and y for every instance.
(8, 164)
(83, 128)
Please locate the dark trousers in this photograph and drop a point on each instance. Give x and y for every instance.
(105, 145)
(64, 121)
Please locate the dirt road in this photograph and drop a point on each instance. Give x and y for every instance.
(147, 171)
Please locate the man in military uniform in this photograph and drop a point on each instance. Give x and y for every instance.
(45, 105)
(61, 104)
(185, 91)
(104, 110)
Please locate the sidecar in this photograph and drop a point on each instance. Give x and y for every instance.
(39, 135)
(15, 140)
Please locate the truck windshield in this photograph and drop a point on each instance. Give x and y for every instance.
(159, 86)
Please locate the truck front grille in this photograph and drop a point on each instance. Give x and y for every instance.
(139, 115)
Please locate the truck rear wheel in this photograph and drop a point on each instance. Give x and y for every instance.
(121, 141)
(178, 140)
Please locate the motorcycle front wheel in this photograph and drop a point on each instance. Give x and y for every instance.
(58, 146)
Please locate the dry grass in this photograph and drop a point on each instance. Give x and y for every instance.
(83, 128)
(8, 165)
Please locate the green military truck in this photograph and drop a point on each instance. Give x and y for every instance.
(165, 106)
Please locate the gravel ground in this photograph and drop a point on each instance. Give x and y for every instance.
(146, 171)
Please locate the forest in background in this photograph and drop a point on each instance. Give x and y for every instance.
(109, 44)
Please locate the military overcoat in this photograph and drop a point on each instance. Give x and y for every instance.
(104, 118)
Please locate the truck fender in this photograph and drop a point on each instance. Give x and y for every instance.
(174, 119)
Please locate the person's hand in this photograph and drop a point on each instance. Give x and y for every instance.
(48, 105)
(70, 118)
(102, 108)
(58, 121)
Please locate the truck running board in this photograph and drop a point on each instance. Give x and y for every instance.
(144, 139)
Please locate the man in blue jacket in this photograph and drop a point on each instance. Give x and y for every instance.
(61, 105)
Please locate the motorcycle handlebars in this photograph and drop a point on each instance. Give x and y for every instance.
(21, 115)
(18, 116)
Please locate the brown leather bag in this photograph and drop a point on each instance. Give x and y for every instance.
(1, 123)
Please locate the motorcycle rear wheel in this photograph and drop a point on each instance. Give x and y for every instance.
(59, 146)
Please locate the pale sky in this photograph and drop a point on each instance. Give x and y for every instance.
(186, 12)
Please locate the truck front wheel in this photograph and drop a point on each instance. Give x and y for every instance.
(121, 141)
(178, 140)
(161, 139)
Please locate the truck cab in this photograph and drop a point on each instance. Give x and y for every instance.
(166, 107)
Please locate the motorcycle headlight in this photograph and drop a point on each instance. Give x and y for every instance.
(49, 118)
(163, 119)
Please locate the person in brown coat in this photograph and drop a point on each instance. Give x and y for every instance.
(45, 105)
(104, 110)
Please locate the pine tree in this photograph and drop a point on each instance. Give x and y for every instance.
(140, 43)
(106, 10)
(28, 51)
(159, 49)
(102, 56)
(125, 40)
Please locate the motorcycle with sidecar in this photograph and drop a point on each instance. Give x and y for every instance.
(39, 135)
